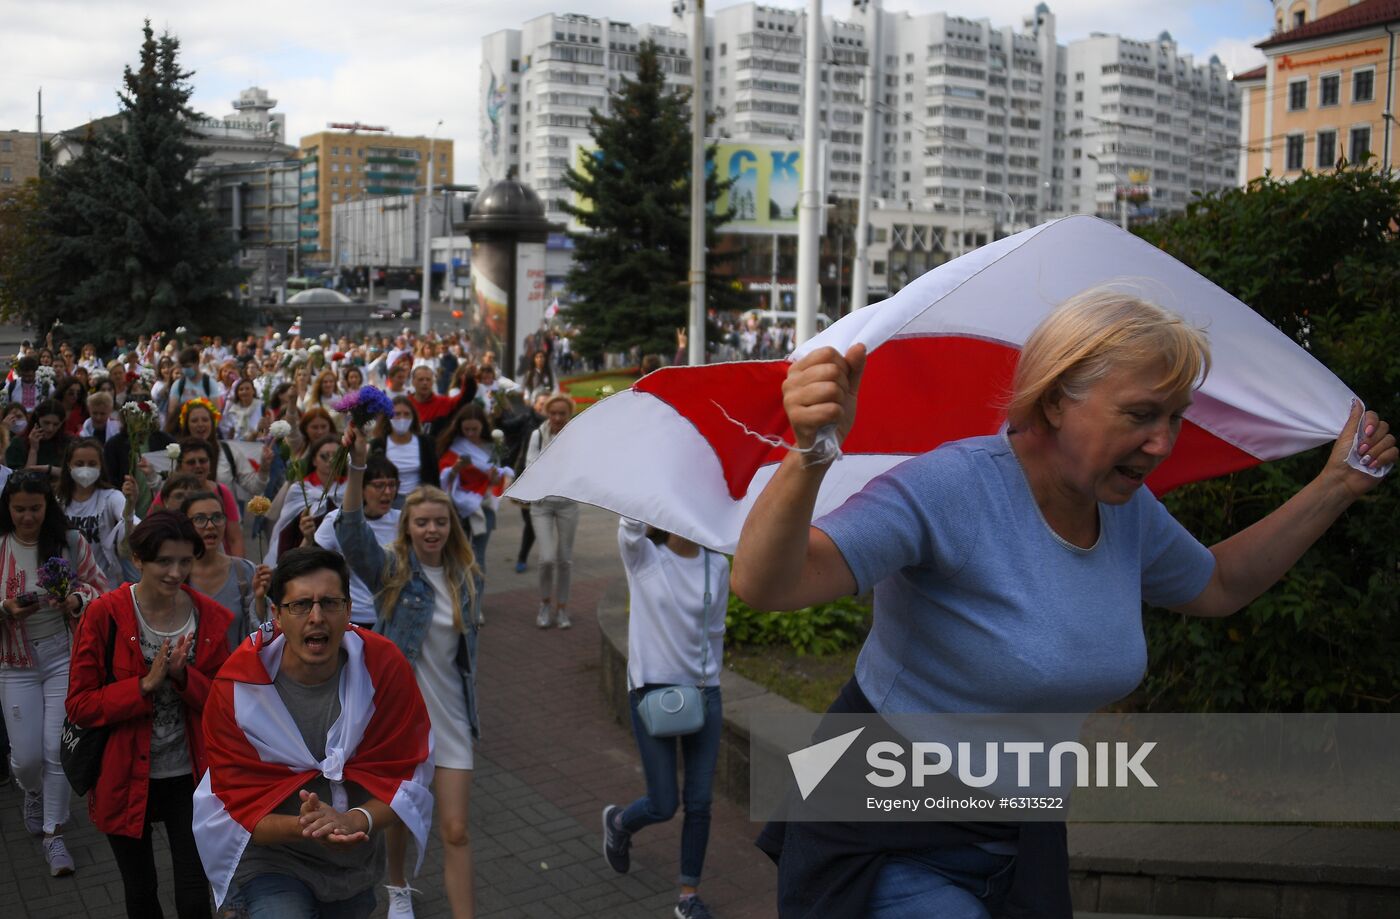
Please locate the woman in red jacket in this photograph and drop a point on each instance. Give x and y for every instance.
(167, 643)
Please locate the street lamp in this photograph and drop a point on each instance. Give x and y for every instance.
(1122, 195)
(424, 319)
(1015, 205)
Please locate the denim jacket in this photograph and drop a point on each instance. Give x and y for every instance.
(408, 626)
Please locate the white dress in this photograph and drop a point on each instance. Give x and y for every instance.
(441, 684)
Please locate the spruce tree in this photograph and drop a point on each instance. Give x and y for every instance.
(131, 242)
(630, 269)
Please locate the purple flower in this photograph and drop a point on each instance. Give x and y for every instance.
(57, 577)
(364, 405)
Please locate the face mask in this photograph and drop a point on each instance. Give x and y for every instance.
(190, 372)
(84, 475)
(401, 425)
(18, 425)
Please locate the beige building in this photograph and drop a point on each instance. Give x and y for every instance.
(19, 157)
(1326, 91)
(357, 163)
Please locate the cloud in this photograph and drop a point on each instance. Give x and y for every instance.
(410, 63)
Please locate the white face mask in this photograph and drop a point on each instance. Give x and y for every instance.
(85, 475)
(18, 425)
(401, 425)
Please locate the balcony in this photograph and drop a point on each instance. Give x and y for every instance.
(309, 234)
(389, 190)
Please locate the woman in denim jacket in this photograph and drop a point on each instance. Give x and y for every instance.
(422, 585)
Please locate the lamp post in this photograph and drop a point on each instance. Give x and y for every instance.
(424, 317)
(1014, 205)
(1122, 196)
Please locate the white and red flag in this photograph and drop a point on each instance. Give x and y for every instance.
(689, 449)
(257, 758)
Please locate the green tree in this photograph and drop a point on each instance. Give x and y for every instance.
(630, 269)
(124, 236)
(1319, 258)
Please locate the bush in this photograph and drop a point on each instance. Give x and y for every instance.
(823, 629)
(1317, 257)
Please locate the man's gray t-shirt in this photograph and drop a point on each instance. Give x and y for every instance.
(331, 874)
(981, 607)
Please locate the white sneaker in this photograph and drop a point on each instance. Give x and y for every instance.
(34, 813)
(400, 901)
(562, 619)
(542, 620)
(56, 854)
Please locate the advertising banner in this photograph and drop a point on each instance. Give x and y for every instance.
(766, 190)
(531, 299)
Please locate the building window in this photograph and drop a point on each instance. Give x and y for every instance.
(1360, 143)
(1299, 18)
(723, 48)
(877, 267)
(515, 65)
(1293, 152)
(335, 196)
(1363, 85)
(6, 146)
(1329, 90)
(1326, 149)
(1298, 95)
(6, 176)
(335, 151)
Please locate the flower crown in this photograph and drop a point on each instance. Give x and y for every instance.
(201, 402)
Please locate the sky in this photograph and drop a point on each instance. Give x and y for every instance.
(411, 63)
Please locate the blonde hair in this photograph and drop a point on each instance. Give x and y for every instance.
(560, 397)
(1094, 333)
(459, 565)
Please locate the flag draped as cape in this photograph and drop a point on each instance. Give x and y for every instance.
(678, 449)
(257, 758)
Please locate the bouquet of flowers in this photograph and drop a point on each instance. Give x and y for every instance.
(44, 376)
(140, 419)
(364, 407)
(57, 578)
(498, 447)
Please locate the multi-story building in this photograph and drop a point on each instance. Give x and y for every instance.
(19, 157)
(1325, 91)
(360, 162)
(539, 84)
(257, 202)
(1147, 126)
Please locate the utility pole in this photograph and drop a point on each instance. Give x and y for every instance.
(39, 147)
(696, 337)
(424, 317)
(860, 270)
(809, 211)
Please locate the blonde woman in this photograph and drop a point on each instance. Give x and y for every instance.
(555, 521)
(1011, 572)
(323, 393)
(423, 591)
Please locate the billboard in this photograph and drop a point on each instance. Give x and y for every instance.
(766, 189)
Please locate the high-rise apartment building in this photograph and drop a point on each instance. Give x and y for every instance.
(976, 124)
(19, 157)
(539, 83)
(342, 165)
(1147, 126)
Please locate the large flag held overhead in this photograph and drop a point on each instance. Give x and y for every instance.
(685, 448)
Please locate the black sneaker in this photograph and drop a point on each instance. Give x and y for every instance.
(692, 907)
(617, 844)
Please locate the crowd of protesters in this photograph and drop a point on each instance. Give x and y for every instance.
(201, 540)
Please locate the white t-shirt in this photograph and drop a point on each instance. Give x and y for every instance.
(664, 643)
(99, 519)
(407, 459)
(386, 529)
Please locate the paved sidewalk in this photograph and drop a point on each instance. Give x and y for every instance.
(548, 762)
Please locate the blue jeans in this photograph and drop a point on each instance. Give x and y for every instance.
(279, 896)
(958, 882)
(700, 752)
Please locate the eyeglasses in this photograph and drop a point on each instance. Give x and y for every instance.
(217, 519)
(330, 606)
(383, 484)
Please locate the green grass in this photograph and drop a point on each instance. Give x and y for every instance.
(810, 681)
(589, 388)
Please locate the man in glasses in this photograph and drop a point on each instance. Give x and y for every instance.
(381, 487)
(317, 739)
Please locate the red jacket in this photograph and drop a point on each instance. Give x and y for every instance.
(117, 804)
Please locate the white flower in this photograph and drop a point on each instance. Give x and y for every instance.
(172, 452)
(316, 349)
(276, 336)
(498, 436)
(180, 330)
(279, 429)
(325, 338)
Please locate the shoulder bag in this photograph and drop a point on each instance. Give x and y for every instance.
(673, 711)
(81, 748)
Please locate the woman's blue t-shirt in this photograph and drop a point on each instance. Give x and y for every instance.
(981, 607)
